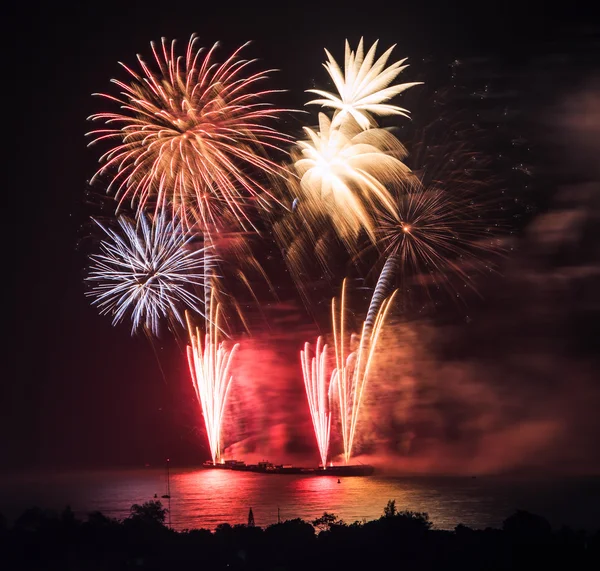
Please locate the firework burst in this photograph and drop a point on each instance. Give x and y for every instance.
(344, 170)
(191, 133)
(210, 363)
(318, 393)
(363, 87)
(147, 270)
(353, 365)
(435, 237)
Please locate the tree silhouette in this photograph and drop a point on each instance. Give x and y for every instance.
(325, 522)
(99, 520)
(390, 509)
(42, 539)
(151, 512)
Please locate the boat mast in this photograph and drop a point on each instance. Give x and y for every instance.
(168, 494)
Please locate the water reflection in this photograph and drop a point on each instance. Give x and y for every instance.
(206, 498)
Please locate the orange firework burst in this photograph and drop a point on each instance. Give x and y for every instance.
(191, 134)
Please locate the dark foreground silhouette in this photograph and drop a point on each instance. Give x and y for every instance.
(398, 540)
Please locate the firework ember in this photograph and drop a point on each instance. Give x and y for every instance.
(191, 133)
(210, 363)
(318, 393)
(353, 358)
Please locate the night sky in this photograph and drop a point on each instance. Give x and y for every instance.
(508, 374)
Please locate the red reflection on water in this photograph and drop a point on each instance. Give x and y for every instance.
(217, 481)
(206, 498)
(322, 483)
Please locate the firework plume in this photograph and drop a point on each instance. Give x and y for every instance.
(435, 236)
(344, 171)
(363, 87)
(353, 358)
(317, 384)
(147, 270)
(210, 364)
(191, 133)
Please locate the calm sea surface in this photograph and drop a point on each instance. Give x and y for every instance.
(205, 498)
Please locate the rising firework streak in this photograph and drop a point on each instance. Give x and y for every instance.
(351, 374)
(318, 384)
(210, 364)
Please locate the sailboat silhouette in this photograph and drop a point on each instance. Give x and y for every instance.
(168, 494)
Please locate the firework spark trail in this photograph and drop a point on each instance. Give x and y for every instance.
(318, 392)
(210, 364)
(434, 235)
(386, 277)
(353, 366)
(146, 269)
(363, 87)
(190, 134)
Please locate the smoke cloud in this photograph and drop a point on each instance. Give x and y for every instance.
(514, 386)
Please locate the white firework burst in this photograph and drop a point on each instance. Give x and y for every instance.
(148, 270)
(363, 86)
(345, 171)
